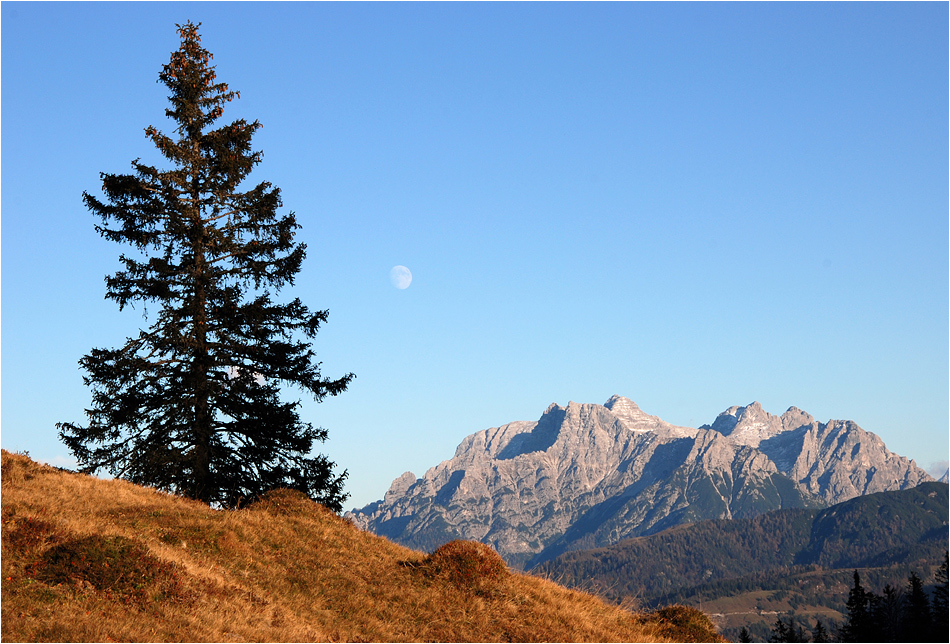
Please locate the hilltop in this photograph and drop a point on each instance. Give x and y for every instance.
(86, 559)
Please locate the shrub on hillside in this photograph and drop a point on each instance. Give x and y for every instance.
(116, 565)
(25, 533)
(682, 624)
(286, 501)
(467, 565)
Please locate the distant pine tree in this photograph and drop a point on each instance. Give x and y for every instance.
(941, 621)
(917, 617)
(787, 631)
(819, 634)
(859, 626)
(191, 405)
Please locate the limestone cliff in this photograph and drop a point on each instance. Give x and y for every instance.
(587, 475)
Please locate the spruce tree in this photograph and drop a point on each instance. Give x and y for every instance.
(787, 632)
(941, 623)
(917, 614)
(859, 625)
(887, 610)
(192, 403)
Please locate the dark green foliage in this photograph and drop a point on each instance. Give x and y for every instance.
(784, 549)
(788, 631)
(941, 622)
(689, 554)
(718, 559)
(755, 631)
(892, 616)
(887, 611)
(191, 405)
(917, 622)
(858, 627)
(887, 526)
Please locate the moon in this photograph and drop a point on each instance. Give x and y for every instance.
(400, 277)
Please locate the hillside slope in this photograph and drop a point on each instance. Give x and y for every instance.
(86, 559)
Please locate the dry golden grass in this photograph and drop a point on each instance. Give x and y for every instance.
(86, 559)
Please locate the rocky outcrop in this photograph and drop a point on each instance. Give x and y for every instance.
(587, 475)
(835, 461)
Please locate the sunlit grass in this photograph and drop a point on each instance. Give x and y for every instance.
(86, 559)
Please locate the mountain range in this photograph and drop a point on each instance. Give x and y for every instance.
(587, 475)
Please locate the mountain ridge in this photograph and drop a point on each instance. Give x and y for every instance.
(586, 475)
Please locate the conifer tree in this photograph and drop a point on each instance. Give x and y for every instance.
(941, 622)
(191, 404)
(887, 610)
(787, 631)
(917, 615)
(859, 627)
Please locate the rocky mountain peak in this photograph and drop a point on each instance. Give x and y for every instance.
(621, 404)
(632, 417)
(401, 485)
(793, 418)
(726, 421)
(751, 425)
(585, 475)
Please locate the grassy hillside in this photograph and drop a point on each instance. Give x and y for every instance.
(86, 559)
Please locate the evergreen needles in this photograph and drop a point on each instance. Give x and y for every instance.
(191, 405)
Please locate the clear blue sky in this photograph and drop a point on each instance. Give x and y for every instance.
(695, 206)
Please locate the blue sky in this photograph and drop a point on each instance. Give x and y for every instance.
(695, 206)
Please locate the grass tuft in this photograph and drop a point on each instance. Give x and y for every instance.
(683, 624)
(283, 501)
(468, 565)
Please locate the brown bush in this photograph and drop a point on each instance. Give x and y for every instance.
(682, 624)
(467, 565)
(116, 565)
(26, 533)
